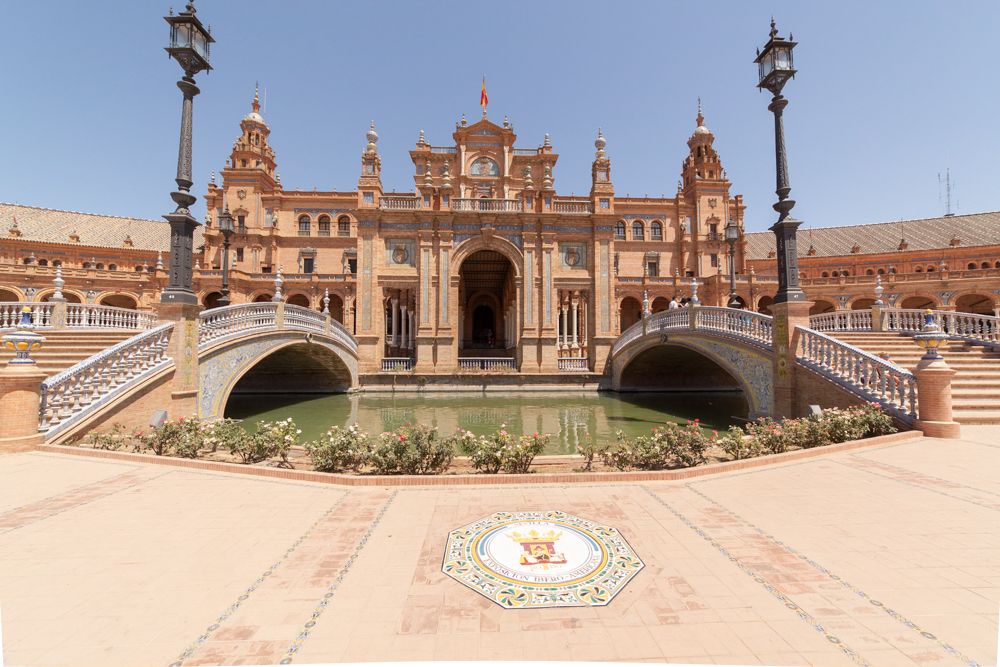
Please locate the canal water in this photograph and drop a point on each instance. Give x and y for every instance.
(570, 418)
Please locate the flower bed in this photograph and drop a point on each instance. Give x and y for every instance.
(420, 450)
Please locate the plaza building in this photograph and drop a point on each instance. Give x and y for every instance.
(483, 264)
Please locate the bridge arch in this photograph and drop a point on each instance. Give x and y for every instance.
(324, 361)
(749, 366)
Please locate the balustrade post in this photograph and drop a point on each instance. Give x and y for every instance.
(20, 390)
(279, 315)
(877, 315)
(57, 320)
(787, 317)
(934, 406)
(183, 349)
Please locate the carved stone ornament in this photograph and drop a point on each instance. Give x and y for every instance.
(241, 193)
(400, 254)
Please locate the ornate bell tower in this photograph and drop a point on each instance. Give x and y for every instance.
(602, 191)
(370, 181)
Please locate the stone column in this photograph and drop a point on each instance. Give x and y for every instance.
(404, 327)
(934, 415)
(183, 349)
(787, 316)
(564, 329)
(20, 390)
(395, 320)
(575, 317)
(413, 325)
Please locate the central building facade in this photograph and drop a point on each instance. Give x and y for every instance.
(483, 266)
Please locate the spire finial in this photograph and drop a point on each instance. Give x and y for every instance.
(256, 97)
(701, 118)
(774, 29)
(599, 143)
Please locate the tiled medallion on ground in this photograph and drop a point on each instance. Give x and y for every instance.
(540, 559)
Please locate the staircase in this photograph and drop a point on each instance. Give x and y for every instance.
(975, 389)
(66, 347)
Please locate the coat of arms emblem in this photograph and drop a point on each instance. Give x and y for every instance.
(400, 254)
(539, 548)
(572, 256)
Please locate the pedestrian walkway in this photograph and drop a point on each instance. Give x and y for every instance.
(881, 556)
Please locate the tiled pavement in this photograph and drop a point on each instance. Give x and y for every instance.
(881, 556)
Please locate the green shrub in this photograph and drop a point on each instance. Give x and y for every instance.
(519, 454)
(411, 450)
(737, 444)
(588, 451)
(339, 449)
(113, 439)
(279, 437)
(175, 437)
(485, 452)
(687, 444)
(769, 434)
(222, 433)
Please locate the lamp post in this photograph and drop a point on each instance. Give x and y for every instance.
(226, 227)
(775, 69)
(189, 46)
(732, 234)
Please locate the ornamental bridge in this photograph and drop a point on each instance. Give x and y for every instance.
(258, 344)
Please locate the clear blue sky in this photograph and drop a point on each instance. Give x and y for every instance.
(888, 95)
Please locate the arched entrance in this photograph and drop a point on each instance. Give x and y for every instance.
(660, 303)
(630, 312)
(820, 306)
(862, 304)
(298, 300)
(917, 302)
(974, 303)
(488, 303)
(336, 308)
(119, 301)
(764, 304)
(69, 296)
(211, 300)
(260, 298)
(8, 295)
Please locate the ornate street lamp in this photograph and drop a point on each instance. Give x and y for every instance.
(189, 46)
(776, 68)
(732, 235)
(226, 227)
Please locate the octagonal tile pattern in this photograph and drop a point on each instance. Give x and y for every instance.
(540, 559)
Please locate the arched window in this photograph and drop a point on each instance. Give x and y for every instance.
(304, 225)
(638, 233)
(484, 167)
(100, 266)
(972, 265)
(138, 268)
(985, 265)
(43, 262)
(344, 226)
(881, 272)
(620, 231)
(655, 231)
(824, 275)
(845, 273)
(930, 269)
(57, 262)
(919, 269)
(869, 272)
(996, 265)
(324, 225)
(112, 267)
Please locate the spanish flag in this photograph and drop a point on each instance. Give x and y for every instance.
(483, 97)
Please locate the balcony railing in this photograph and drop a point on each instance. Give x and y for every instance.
(486, 205)
(444, 150)
(397, 203)
(397, 364)
(574, 364)
(487, 364)
(571, 207)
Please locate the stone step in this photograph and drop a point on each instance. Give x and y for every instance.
(969, 404)
(976, 416)
(978, 393)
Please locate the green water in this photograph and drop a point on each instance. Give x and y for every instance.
(570, 418)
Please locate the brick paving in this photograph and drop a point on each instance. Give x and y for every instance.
(883, 556)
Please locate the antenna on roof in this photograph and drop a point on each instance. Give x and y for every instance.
(947, 191)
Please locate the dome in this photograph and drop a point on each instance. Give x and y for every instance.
(701, 129)
(255, 117)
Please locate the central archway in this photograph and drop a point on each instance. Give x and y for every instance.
(488, 303)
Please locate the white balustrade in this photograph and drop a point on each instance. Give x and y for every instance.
(398, 203)
(10, 313)
(397, 364)
(99, 379)
(571, 207)
(871, 377)
(743, 324)
(299, 317)
(966, 326)
(226, 321)
(574, 364)
(93, 316)
(486, 205)
(842, 320)
(486, 363)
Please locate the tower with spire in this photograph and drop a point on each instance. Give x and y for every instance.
(602, 191)
(370, 181)
(252, 150)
